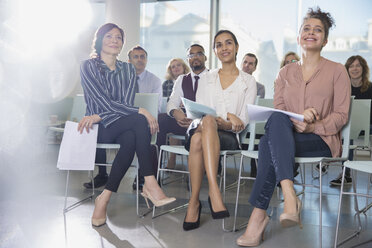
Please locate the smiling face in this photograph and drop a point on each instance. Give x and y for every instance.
(176, 68)
(196, 59)
(225, 48)
(312, 35)
(355, 70)
(112, 42)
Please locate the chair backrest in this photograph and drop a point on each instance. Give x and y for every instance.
(345, 132)
(150, 102)
(258, 127)
(361, 120)
(164, 101)
(78, 108)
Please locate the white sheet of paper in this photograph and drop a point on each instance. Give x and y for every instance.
(260, 113)
(196, 110)
(77, 151)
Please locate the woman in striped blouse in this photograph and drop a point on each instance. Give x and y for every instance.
(109, 88)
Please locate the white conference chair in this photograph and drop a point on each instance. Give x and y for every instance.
(354, 166)
(322, 161)
(148, 101)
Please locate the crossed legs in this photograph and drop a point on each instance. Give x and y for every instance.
(204, 156)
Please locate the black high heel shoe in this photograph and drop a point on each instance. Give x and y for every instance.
(220, 214)
(187, 226)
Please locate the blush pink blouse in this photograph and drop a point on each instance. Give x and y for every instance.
(327, 90)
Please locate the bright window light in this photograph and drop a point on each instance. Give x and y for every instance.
(48, 24)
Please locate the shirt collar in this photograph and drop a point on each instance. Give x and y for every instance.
(201, 73)
(142, 75)
(103, 67)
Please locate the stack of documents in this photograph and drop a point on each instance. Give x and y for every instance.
(260, 113)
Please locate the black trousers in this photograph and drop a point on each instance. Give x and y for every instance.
(133, 135)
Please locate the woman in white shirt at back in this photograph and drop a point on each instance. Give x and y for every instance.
(228, 90)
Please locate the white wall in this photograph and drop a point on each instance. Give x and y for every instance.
(126, 14)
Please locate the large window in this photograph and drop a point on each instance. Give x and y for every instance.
(169, 28)
(267, 28)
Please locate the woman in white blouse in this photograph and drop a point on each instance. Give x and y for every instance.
(228, 90)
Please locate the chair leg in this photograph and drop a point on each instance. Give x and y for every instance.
(237, 193)
(78, 203)
(320, 205)
(339, 206)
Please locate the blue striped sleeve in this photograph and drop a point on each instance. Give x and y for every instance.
(98, 102)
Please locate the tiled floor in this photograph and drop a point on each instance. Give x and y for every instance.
(31, 213)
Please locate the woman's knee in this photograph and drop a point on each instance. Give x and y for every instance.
(196, 142)
(278, 119)
(209, 122)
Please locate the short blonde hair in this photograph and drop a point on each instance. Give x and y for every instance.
(169, 75)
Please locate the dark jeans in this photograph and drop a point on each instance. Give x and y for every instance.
(133, 135)
(276, 153)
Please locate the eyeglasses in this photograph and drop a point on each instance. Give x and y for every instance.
(290, 61)
(193, 55)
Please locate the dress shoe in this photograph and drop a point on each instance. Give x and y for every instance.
(243, 241)
(99, 181)
(218, 215)
(99, 221)
(288, 220)
(157, 203)
(141, 182)
(187, 226)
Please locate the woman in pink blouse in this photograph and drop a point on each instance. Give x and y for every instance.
(320, 90)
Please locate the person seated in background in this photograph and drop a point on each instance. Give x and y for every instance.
(289, 57)
(109, 88)
(249, 65)
(320, 90)
(228, 90)
(361, 88)
(175, 120)
(175, 68)
(147, 83)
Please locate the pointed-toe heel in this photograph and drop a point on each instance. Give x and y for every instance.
(251, 242)
(219, 214)
(97, 222)
(187, 226)
(289, 220)
(157, 203)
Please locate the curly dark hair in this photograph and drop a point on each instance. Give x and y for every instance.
(325, 17)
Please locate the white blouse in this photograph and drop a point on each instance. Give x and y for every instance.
(233, 99)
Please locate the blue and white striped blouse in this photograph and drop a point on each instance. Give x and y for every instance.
(109, 94)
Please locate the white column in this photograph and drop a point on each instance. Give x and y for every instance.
(126, 14)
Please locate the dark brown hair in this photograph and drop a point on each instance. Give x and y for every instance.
(98, 38)
(325, 17)
(229, 32)
(365, 70)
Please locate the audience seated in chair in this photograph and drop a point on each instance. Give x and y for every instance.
(109, 88)
(228, 90)
(320, 90)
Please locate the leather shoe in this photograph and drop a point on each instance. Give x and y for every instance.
(99, 181)
(187, 226)
(220, 214)
(141, 183)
